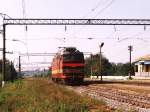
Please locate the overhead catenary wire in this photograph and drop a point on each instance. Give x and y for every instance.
(93, 9)
(63, 39)
(86, 15)
(135, 36)
(122, 51)
(104, 8)
(117, 33)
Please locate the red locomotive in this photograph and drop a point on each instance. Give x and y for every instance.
(68, 66)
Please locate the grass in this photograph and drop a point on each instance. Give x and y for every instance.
(37, 95)
(0, 78)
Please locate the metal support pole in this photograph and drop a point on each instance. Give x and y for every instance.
(100, 64)
(4, 56)
(11, 69)
(100, 61)
(19, 66)
(91, 66)
(130, 48)
(130, 65)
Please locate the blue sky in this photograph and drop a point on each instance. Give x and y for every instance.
(49, 38)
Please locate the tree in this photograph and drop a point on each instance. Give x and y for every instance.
(11, 73)
(119, 69)
(123, 69)
(92, 65)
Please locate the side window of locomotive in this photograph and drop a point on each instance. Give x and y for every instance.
(79, 57)
(66, 57)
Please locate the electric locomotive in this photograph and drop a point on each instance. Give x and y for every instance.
(68, 66)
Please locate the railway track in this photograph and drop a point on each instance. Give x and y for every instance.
(131, 98)
(115, 94)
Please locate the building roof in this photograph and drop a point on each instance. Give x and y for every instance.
(143, 58)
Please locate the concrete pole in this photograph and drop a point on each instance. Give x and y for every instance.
(100, 64)
(4, 56)
(130, 48)
(100, 59)
(91, 65)
(12, 77)
(19, 66)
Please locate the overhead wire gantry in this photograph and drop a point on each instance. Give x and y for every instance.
(30, 21)
(76, 21)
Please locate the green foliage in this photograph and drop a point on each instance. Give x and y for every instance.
(0, 66)
(11, 73)
(92, 64)
(45, 73)
(0, 78)
(36, 95)
(121, 69)
(49, 72)
(41, 75)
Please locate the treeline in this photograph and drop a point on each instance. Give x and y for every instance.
(43, 74)
(92, 66)
(11, 73)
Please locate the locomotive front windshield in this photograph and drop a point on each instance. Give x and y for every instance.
(73, 57)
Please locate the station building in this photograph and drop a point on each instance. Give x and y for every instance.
(142, 66)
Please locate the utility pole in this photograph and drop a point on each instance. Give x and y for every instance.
(11, 69)
(19, 66)
(100, 60)
(1, 49)
(91, 66)
(4, 56)
(130, 48)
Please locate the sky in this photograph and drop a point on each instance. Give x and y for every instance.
(47, 39)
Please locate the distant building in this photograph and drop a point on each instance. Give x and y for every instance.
(142, 66)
